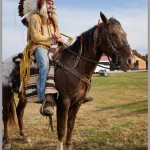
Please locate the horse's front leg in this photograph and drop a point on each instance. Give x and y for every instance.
(70, 124)
(20, 112)
(62, 114)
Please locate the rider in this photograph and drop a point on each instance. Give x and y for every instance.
(43, 32)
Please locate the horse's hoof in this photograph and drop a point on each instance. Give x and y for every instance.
(6, 146)
(69, 147)
(26, 140)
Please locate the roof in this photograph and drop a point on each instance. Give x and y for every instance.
(139, 55)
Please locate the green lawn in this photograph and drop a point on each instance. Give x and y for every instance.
(117, 119)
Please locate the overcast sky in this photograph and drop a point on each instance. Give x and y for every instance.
(76, 16)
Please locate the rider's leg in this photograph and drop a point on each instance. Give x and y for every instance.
(42, 59)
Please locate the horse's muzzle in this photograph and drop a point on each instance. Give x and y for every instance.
(128, 63)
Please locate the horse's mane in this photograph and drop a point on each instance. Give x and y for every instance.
(87, 37)
(75, 47)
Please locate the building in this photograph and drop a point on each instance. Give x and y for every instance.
(141, 62)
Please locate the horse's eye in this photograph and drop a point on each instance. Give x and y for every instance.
(114, 35)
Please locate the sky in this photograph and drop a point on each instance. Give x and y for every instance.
(77, 16)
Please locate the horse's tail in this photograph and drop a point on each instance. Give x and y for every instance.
(8, 106)
(8, 92)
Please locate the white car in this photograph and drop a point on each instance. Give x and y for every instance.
(103, 64)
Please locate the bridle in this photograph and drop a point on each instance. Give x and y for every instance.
(97, 43)
(114, 64)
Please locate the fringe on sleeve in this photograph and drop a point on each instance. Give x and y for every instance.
(25, 69)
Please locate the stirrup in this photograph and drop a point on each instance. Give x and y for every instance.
(42, 106)
(48, 113)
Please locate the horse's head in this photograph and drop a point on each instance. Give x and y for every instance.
(117, 46)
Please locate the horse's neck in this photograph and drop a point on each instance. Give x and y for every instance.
(67, 57)
(91, 52)
(86, 68)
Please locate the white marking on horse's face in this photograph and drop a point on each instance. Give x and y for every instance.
(121, 31)
(59, 145)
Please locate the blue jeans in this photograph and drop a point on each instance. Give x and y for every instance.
(42, 59)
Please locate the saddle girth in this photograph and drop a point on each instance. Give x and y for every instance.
(74, 72)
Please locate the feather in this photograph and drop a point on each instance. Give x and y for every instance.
(30, 6)
(26, 9)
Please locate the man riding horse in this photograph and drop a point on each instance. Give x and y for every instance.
(43, 38)
(76, 63)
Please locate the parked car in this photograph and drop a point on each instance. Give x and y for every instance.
(103, 73)
(102, 64)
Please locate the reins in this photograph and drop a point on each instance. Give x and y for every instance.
(80, 55)
(92, 61)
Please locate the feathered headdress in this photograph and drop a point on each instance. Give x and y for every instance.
(27, 8)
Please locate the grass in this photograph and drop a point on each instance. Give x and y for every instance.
(117, 119)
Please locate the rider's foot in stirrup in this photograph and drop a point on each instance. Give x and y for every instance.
(47, 108)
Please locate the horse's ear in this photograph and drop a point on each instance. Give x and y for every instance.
(104, 19)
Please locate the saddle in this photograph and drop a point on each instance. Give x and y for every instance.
(31, 89)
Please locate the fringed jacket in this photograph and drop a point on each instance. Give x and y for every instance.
(39, 35)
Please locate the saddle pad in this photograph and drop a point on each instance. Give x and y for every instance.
(31, 90)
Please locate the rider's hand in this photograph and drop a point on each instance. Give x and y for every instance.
(56, 35)
(60, 40)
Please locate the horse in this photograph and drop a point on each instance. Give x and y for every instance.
(74, 68)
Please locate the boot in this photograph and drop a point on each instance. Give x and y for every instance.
(47, 108)
(87, 99)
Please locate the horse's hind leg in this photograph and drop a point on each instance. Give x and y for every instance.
(6, 144)
(5, 120)
(20, 112)
(70, 124)
(8, 113)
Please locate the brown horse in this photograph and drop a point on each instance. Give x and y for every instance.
(73, 73)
